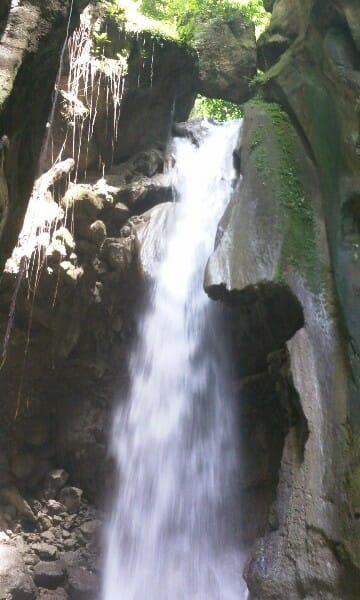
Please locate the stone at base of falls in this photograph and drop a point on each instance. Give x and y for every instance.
(15, 579)
(70, 497)
(49, 575)
(194, 130)
(45, 551)
(152, 233)
(55, 480)
(82, 585)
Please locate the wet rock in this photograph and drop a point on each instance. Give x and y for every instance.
(152, 234)
(194, 130)
(49, 575)
(142, 193)
(45, 551)
(82, 584)
(54, 482)
(70, 497)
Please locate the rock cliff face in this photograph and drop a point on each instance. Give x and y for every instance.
(285, 266)
(32, 37)
(292, 232)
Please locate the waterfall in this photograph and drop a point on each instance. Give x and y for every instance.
(173, 533)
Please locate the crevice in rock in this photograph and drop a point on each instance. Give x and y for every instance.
(266, 315)
(351, 219)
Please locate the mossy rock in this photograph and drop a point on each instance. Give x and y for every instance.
(299, 248)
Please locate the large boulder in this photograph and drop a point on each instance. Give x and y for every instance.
(226, 51)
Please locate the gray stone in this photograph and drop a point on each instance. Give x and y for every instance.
(70, 497)
(90, 528)
(152, 233)
(82, 584)
(50, 536)
(54, 481)
(45, 551)
(54, 507)
(49, 575)
(44, 521)
(57, 594)
(70, 543)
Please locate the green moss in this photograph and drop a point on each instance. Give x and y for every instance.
(299, 247)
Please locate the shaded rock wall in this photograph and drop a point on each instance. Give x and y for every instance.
(32, 37)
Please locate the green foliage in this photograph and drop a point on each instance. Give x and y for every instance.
(100, 40)
(184, 14)
(115, 10)
(179, 18)
(129, 15)
(215, 108)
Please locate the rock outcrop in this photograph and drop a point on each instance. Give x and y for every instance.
(288, 241)
(32, 37)
(226, 57)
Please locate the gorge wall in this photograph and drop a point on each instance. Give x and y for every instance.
(285, 265)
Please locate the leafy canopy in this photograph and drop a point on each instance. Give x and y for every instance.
(179, 19)
(181, 12)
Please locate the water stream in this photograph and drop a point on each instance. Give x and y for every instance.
(173, 533)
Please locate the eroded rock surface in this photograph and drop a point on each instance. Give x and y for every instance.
(32, 36)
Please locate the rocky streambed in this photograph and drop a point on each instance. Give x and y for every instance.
(49, 543)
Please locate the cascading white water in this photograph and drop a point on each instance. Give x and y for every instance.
(173, 532)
